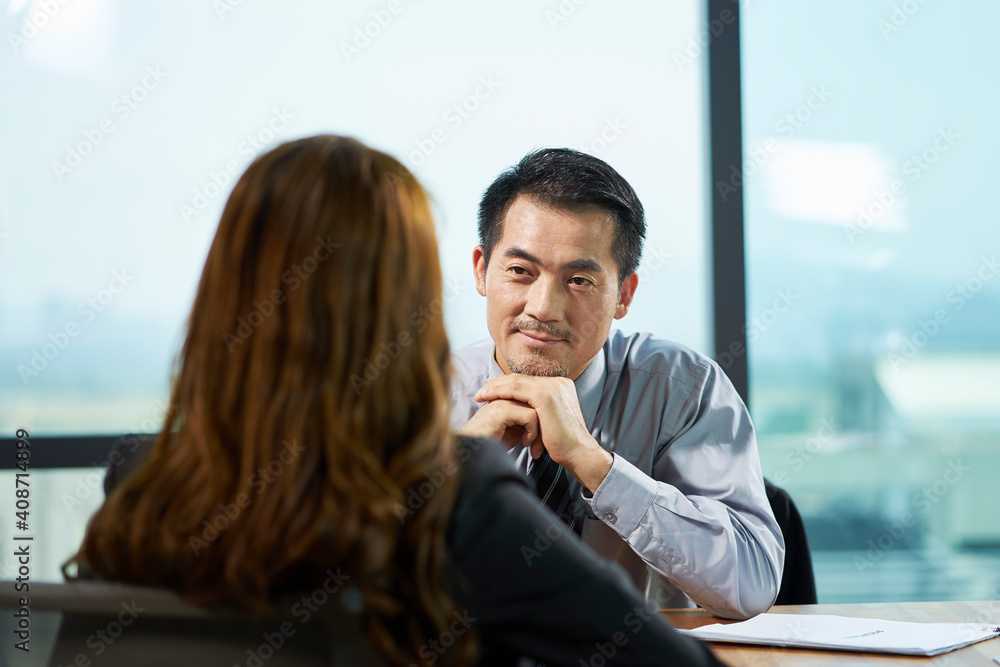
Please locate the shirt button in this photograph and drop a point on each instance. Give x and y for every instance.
(610, 517)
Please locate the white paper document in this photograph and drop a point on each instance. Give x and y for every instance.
(848, 634)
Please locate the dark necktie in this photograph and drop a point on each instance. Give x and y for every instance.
(556, 488)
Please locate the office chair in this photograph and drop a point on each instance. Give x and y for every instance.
(118, 625)
(798, 584)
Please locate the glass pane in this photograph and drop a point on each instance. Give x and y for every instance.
(125, 126)
(872, 243)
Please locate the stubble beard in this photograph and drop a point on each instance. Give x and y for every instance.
(537, 364)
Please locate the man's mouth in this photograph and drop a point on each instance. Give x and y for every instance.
(536, 338)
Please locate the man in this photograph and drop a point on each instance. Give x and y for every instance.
(658, 448)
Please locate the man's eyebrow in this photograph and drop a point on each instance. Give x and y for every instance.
(582, 264)
(521, 253)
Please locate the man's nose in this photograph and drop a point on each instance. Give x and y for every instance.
(546, 301)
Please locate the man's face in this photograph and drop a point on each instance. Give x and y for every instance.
(551, 288)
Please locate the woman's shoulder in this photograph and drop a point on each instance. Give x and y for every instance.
(488, 480)
(486, 465)
(482, 458)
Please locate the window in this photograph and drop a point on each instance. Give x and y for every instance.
(127, 125)
(874, 287)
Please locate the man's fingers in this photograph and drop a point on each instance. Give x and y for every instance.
(510, 421)
(511, 387)
(513, 415)
(508, 392)
(521, 423)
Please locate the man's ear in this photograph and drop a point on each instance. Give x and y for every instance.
(626, 295)
(479, 267)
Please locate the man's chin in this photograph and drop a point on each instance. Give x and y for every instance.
(536, 364)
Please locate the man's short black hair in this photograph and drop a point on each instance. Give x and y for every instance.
(569, 179)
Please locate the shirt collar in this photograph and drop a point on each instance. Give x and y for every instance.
(589, 386)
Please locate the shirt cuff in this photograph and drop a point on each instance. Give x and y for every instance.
(623, 497)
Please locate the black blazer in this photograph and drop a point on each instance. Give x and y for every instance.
(528, 585)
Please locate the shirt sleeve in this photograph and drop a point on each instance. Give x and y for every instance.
(703, 519)
(539, 592)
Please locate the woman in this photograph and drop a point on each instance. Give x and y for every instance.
(312, 394)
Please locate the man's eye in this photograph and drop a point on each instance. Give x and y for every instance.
(519, 270)
(580, 281)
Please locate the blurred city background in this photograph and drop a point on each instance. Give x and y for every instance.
(875, 390)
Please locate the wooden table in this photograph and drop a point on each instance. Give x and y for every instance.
(745, 655)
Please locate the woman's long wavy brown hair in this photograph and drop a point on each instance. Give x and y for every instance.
(311, 388)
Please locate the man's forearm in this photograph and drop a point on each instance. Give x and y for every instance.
(727, 560)
(591, 467)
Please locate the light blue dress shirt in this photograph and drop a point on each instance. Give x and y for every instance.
(683, 509)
